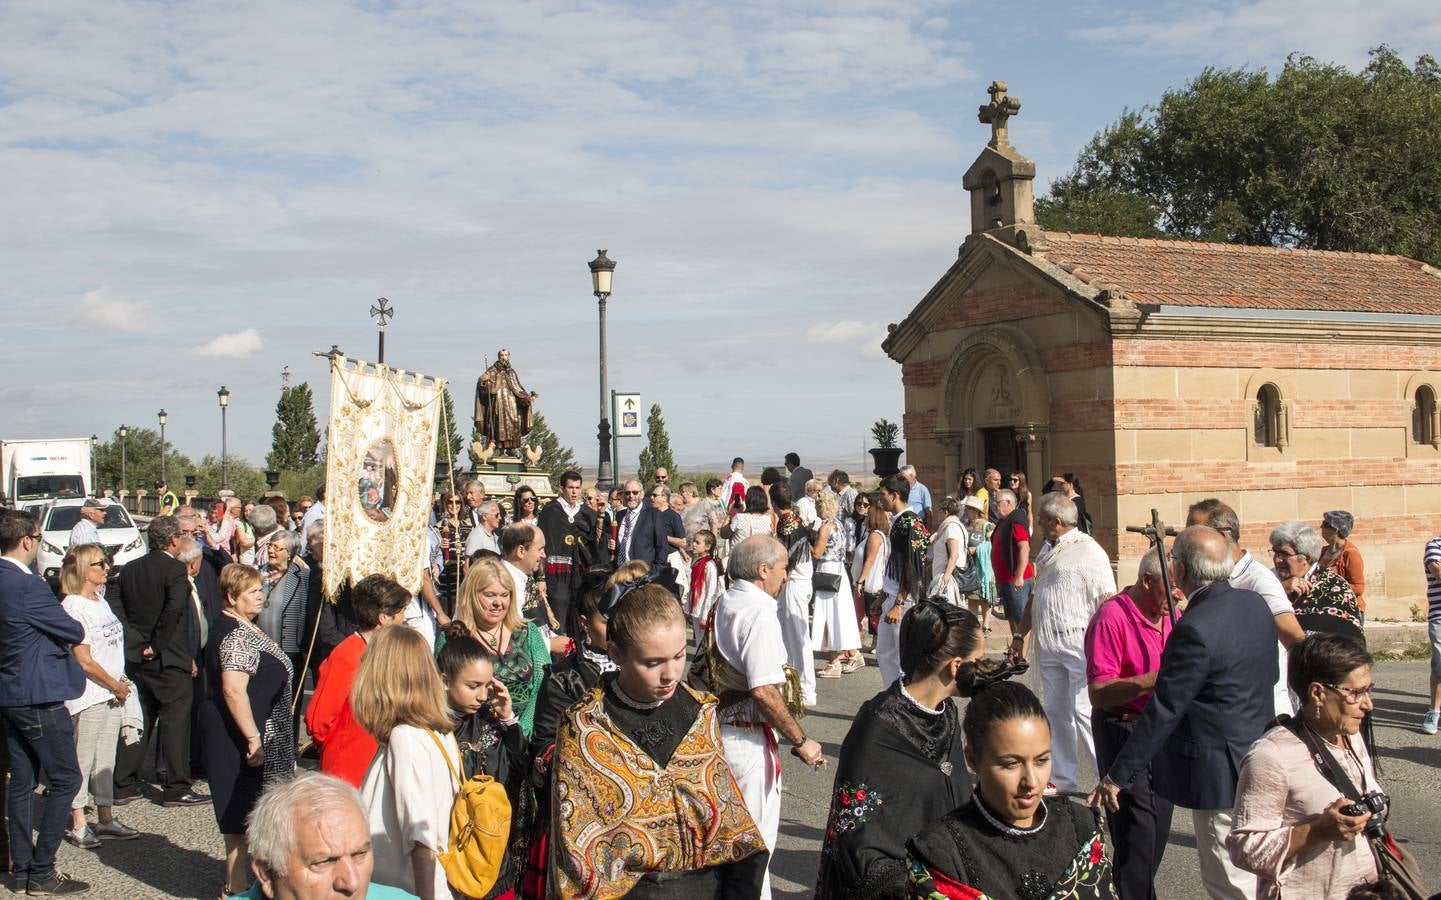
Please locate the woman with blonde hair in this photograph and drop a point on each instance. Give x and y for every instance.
(411, 784)
(489, 608)
(834, 628)
(99, 711)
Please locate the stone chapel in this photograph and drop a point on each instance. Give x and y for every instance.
(1285, 382)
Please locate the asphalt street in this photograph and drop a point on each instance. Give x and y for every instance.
(180, 853)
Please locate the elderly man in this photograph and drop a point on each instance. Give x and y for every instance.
(1250, 575)
(1072, 581)
(748, 641)
(643, 527)
(1011, 558)
(1124, 643)
(483, 536)
(87, 527)
(840, 483)
(1211, 701)
(920, 498)
(266, 523)
(309, 840)
(805, 506)
(990, 493)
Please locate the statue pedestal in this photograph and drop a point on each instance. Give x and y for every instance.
(504, 474)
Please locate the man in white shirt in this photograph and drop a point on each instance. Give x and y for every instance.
(86, 530)
(1249, 574)
(748, 639)
(315, 513)
(522, 547)
(806, 506)
(735, 484)
(1072, 581)
(484, 536)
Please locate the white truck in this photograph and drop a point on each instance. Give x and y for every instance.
(46, 469)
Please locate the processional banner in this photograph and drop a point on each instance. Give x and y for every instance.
(379, 462)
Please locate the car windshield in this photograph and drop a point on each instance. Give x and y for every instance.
(63, 518)
(28, 487)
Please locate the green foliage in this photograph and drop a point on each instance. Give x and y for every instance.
(295, 484)
(885, 432)
(295, 438)
(657, 450)
(554, 458)
(475, 438)
(449, 434)
(142, 462)
(246, 481)
(1318, 157)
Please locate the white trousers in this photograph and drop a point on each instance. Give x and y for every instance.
(794, 608)
(1219, 876)
(754, 763)
(1067, 702)
(834, 625)
(888, 644)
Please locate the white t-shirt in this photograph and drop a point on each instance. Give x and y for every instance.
(806, 510)
(748, 636)
(480, 539)
(106, 638)
(407, 793)
(1252, 576)
(950, 531)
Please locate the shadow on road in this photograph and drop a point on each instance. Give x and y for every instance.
(177, 877)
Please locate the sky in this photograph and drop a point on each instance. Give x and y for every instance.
(203, 193)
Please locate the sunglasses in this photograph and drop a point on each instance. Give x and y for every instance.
(102, 564)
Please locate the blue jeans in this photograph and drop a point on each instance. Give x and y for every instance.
(1013, 599)
(39, 737)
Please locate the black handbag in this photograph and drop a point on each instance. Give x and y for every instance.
(828, 582)
(968, 580)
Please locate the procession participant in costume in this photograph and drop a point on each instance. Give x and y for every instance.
(644, 802)
(502, 406)
(705, 583)
(795, 598)
(491, 742)
(901, 766)
(905, 579)
(1008, 841)
(564, 529)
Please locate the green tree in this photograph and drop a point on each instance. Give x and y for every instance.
(657, 450)
(554, 458)
(449, 435)
(142, 462)
(246, 481)
(1319, 157)
(295, 439)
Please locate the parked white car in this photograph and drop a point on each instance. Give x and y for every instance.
(118, 533)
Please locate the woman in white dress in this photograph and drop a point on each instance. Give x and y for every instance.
(948, 552)
(834, 628)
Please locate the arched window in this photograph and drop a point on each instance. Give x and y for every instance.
(1423, 416)
(1269, 430)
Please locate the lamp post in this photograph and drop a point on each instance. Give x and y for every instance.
(601, 270)
(162, 416)
(272, 478)
(124, 483)
(94, 475)
(224, 396)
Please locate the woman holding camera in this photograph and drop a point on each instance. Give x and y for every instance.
(1293, 827)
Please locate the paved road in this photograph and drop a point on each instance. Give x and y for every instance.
(180, 854)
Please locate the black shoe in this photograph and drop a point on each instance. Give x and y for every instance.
(17, 884)
(189, 798)
(56, 885)
(125, 795)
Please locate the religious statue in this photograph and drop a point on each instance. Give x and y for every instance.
(502, 406)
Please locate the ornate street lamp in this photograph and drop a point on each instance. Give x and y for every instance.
(272, 478)
(190, 481)
(162, 416)
(224, 396)
(94, 474)
(124, 483)
(601, 270)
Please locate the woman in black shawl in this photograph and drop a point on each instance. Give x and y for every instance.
(901, 766)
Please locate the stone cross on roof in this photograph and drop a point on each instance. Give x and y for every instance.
(995, 113)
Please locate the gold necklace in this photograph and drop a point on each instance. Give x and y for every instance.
(494, 643)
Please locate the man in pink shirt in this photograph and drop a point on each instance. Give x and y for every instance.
(1124, 642)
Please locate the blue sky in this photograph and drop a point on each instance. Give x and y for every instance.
(200, 193)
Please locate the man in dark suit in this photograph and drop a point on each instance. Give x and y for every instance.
(1212, 700)
(643, 530)
(161, 629)
(798, 476)
(38, 673)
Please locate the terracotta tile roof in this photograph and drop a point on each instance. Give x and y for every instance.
(1190, 273)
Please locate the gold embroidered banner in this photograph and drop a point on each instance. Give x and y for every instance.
(379, 463)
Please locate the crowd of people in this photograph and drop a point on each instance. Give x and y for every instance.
(589, 697)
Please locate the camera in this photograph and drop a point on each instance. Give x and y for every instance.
(1375, 803)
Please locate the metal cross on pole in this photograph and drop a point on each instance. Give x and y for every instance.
(1156, 533)
(382, 313)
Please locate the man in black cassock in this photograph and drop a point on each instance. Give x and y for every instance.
(564, 528)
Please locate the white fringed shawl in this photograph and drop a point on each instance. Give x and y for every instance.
(1072, 581)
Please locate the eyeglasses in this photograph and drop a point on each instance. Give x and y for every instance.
(634, 493)
(662, 478)
(1277, 554)
(102, 564)
(527, 500)
(657, 496)
(452, 503)
(35, 537)
(1353, 695)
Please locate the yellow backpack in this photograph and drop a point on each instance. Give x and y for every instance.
(479, 831)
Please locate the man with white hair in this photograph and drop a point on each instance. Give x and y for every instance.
(1072, 581)
(266, 523)
(87, 527)
(309, 840)
(920, 496)
(483, 536)
(752, 653)
(806, 506)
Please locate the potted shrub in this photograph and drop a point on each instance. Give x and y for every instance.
(886, 454)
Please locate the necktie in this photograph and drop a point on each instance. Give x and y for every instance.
(199, 613)
(623, 545)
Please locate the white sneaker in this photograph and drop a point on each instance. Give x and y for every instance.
(1432, 720)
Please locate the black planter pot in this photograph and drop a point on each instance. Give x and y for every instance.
(887, 460)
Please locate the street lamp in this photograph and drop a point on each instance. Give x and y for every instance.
(224, 396)
(123, 481)
(190, 481)
(94, 475)
(162, 416)
(601, 270)
(272, 478)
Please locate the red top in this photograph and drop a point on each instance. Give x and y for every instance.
(1002, 563)
(346, 749)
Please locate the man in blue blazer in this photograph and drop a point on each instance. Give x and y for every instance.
(642, 533)
(1212, 700)
(38, 673)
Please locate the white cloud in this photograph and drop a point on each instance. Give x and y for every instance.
(101, 310)
(842, 332)
(239, 345)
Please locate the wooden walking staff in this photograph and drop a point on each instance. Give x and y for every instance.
(1157, 533)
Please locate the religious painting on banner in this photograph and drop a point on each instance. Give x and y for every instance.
(379, 462)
